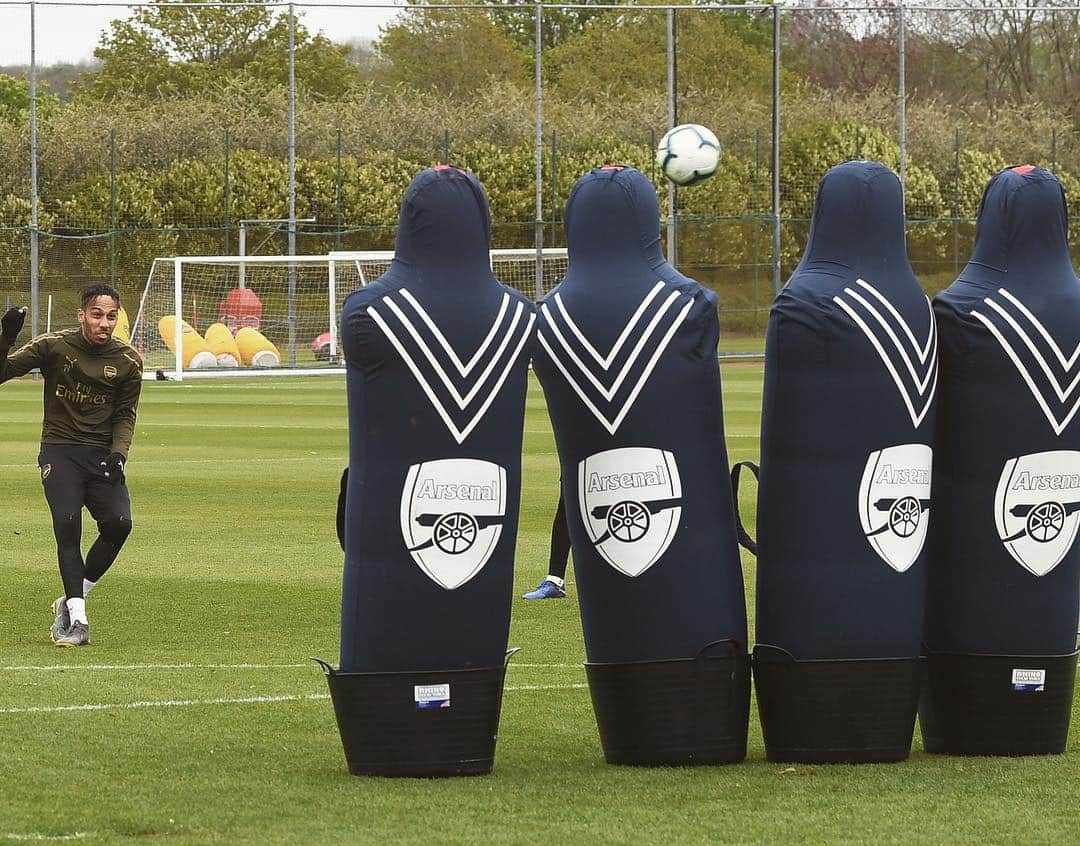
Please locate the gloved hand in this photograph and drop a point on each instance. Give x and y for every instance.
(12, 323)
(113, 467)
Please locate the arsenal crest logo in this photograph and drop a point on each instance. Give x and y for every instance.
(1037, 508)
(631, 502)
(894, 502)
(452, 512)
(110, 371)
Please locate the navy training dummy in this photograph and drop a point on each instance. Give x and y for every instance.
(1004, 567)
(436, 351)
(626, 354)
(844, 497)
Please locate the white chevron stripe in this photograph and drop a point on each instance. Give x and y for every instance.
(931, 332)
(916, 417)
(613, 425)
(921, 386)
(606, 362)
(463, 369)
(1057, 426)
(1066, 364)
(461, 401)
(459, 434)
(1062, 394)
(609, 394)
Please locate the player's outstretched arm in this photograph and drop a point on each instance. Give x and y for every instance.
(24, 360)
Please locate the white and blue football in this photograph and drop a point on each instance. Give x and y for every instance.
(688, 153)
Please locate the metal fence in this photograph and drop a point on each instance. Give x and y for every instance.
(97, 191)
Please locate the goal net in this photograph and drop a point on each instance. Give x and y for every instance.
(248, 315)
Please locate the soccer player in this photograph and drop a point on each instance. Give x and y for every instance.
(554, 585)
(92, 386)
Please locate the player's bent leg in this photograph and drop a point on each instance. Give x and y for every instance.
(110, 506)
(114, 531)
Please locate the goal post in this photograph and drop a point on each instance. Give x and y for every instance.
(209, 316)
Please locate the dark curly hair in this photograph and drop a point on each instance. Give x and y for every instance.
(98, 289)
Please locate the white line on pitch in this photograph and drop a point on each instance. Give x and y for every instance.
(515, 687)
(66, 667)
(523, 665)
(254, 460)
(43, 838)
(245, 700)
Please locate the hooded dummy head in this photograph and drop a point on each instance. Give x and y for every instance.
(613, 221)
(444, 227)
(858, 221)
(1023, 223)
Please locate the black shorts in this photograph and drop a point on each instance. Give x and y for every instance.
(72, 477)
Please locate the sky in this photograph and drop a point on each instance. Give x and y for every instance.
(69, 33)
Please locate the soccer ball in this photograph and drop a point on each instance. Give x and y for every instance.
(688, 153)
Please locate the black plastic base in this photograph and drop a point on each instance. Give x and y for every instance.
(386, 733)
(970, 705)
(680, 712)
(844, 711)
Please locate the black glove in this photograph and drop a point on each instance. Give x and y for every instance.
(113, 467)
(12, 323)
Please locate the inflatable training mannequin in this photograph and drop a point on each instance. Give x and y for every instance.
(626, 354)
(194, 351)
(436, 353)
(223, 345)
(122, 332)
(844, 497)
(256, 349)
(1004, 568)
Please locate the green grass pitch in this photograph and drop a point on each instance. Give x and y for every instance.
(231, 580)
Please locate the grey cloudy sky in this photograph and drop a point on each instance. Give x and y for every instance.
(69, 33)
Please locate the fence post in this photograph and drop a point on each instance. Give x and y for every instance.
(339, 198)
(757, 206)
(673, 118)
(446, 146)
(554, 183)
(35, 261)
(112, 207)
(901, 31)
(292, 183)
(538, 141)
(956, 204)
(652, 153)
(776, 152)
(228, 195)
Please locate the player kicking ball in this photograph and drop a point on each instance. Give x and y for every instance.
(92, 386)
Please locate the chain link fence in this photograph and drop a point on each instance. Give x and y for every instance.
(104, 184)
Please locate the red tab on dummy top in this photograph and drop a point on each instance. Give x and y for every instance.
(612, 167)
(1023, 170)
(449, 167)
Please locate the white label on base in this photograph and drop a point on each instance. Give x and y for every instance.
(431, 695)
(1029, 681)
